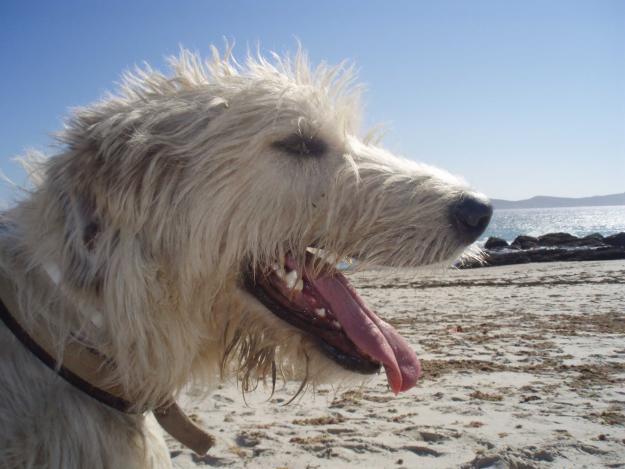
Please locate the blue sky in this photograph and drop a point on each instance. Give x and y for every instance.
(521, 98)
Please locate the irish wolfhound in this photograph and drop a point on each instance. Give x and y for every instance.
(187, 231)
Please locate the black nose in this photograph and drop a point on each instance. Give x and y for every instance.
(471, 215)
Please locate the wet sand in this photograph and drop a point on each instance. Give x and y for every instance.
(524, 366)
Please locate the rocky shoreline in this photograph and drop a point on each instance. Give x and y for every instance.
(551, 247)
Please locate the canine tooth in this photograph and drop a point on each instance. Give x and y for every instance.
(299, 285)
(290, 279)
(336, 324)
(279, 270)
(321, 312)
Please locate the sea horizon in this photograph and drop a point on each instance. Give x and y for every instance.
(579, 221)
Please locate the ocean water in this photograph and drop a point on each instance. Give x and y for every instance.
(578, 221)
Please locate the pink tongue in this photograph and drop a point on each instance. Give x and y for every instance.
(372, 335)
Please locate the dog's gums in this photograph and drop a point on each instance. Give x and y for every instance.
(325, 306)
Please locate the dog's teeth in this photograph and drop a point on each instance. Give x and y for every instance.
(299, 285)
(321, 312)
(336, 324)
(291, 279)
(279, 272)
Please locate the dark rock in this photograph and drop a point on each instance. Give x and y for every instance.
(507, 258)
(557, 239)
(494, 258)
(592, 240)
(552, 247)
(524, 242)
(495, 243)
(617, 239)
(568, 240)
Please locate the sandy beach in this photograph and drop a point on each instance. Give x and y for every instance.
(524, 366)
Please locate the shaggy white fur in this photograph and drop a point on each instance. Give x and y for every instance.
(162, 197)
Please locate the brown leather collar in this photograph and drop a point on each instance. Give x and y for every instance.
(87, 370)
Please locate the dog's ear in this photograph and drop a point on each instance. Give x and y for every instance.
(126, 156)
(116, 186)
(109, 269)
(82, 236)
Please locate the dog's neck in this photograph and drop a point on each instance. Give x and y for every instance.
(92, 320)
(89, 371)
(155, 323)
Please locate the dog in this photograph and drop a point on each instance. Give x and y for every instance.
(188, 230)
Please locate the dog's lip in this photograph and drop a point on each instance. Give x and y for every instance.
(325, 306)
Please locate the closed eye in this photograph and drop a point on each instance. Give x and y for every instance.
(301, 145)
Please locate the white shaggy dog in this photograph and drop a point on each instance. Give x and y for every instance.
(186, 231)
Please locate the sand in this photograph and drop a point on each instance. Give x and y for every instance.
(524, 367)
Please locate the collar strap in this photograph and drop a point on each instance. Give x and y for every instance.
(87, 370)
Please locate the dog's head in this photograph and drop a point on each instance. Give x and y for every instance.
(205, 213)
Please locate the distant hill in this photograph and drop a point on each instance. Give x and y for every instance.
(543, 201)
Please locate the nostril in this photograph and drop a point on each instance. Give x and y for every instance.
(471, 215)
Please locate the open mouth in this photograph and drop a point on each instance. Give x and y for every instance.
(328, 309)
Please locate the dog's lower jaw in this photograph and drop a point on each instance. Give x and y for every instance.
(295, 355)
